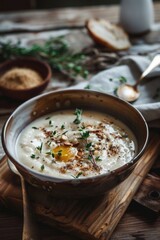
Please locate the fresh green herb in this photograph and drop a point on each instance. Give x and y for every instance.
(110, 79)
(115, 91)
(88, 145)
(42, 167)
(84, 134)
(98, 159)
(50, 123)
(39, 148)
(55, 51)
(89, 157)
(62, 127)
(48, 153)
(78, 175)
(64, 132)
(47, 118)
(48, 143)
(82, 128)
(88, 87)
(54, 133)
(78, 113)
(59, 153)
(53, 155)
(122, 79)
(33, 156)
(34, 127)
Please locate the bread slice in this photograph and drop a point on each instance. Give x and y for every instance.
(108, 34)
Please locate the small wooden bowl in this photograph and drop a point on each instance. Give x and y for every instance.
(39, 66)
(72, 99)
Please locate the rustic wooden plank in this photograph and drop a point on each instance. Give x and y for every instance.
(138, 223)
(60, 18)
(149, 193)
(90, 219)
(56, 18)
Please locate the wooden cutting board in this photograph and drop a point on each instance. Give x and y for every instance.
(94, 218)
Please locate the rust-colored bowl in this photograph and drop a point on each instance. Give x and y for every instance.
(71, 99)
(31, 63)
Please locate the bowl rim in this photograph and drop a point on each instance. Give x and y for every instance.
(30, 59)
(68, 180)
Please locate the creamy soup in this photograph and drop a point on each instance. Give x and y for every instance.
(78, 144)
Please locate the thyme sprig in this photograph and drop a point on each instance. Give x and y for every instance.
(78, 113)
(55, 51)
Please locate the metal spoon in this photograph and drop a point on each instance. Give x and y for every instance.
(130, 93)
(30, 229)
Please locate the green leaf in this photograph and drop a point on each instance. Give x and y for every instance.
(78, 113)
(84, 134)
(122, 79)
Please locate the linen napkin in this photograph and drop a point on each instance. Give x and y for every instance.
(129, 69)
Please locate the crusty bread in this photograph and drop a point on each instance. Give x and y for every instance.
(108, 34)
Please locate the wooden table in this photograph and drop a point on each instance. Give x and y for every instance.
(138, 222)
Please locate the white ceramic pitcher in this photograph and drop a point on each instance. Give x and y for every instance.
(136, 16)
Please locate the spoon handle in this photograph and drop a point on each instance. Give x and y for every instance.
(155, 62)
(29, 225)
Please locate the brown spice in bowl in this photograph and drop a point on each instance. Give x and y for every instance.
(20, 78)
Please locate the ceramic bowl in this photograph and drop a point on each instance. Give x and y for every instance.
(32, 63)
(72, 99)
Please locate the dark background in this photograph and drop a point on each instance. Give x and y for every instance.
(16, 5)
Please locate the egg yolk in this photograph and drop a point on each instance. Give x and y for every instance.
(64, 153)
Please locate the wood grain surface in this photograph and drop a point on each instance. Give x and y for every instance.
(138, 222)
(60, 18)
(88, 218)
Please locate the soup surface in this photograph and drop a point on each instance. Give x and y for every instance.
(78, 144)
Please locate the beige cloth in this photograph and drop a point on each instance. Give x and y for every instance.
(131, 68)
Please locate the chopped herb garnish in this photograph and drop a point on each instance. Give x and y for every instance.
(81, 128)
(122, 79)
(88, 87)
(42, 167)
(84, 134)
(54, 133)
(115, 91)
(47, 118)
(78, 113)
(78, 175)
(48, 143)
(98, 159)
(48, 153)
(34, 127)
(62, 127)
(33, 156)
(64, 132)
(50, 123)
(88, 145)
(59, 153)
(110, 79)
(89, 157)
(40, 147)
